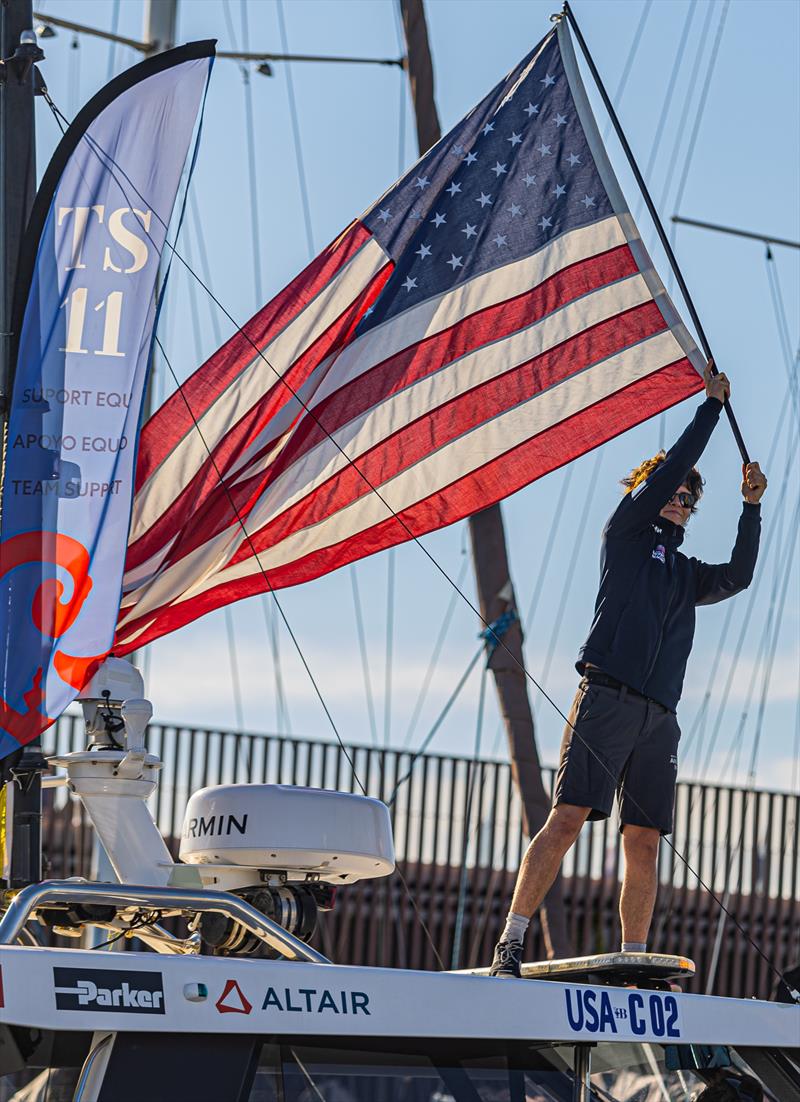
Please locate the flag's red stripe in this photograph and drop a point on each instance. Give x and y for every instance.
(497, 479)
(173, 421)
(385, 379)
(413, 441)
(204, 485)
(428, 355)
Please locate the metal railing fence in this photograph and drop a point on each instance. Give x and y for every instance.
(740, 842)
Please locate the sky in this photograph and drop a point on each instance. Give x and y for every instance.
(736, 162)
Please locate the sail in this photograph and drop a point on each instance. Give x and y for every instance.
(87, 314)
(493, 316)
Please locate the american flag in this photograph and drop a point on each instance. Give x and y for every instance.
(492, 317)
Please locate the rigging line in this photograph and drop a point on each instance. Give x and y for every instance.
(270, 623)
(234, 664)
(548, 551)
(226, 11)
(632, 52)
(56, 113)
(697, 121)
(568, 577)
(761, 661)
(75, 75)
(753, 593)
(712, 61)
(687, 102)
(438, 567)
(751, 782)
(668, 95)
(437, 724)
(424, 550)
(420, 919)
(387, 674)
(465, 840)
(666, 913)
(779, 308)
(287, 625)
(437, 650)
(782, 326)
(702, 712)
(264, 573)
(251, 162)
(233, 660)
(779, 607)
(204, 264)
(283, 720)
(112, 45)
(362, 644)
(298, 149)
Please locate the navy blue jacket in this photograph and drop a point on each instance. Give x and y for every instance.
(643, 624)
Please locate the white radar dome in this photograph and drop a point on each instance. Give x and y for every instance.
(339, 836)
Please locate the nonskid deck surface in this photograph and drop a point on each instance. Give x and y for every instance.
(613, 969)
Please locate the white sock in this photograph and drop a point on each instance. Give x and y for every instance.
(634, 947)
(515, 927)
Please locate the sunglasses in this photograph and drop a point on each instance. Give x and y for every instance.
(686, 500)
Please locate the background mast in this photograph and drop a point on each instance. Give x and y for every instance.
(489, 551)
(22, 771)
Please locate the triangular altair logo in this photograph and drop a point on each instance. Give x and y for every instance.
(233, 1000)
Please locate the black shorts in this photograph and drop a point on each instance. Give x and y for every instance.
(623, 743)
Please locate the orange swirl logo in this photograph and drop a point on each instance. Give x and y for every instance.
(52, 616)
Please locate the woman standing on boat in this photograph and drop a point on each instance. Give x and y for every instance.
(622, 733)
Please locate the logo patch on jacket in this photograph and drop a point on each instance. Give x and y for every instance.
(660, 553)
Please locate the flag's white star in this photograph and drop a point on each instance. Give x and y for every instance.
(423, 251)
(470, 231)
(488, 128)
(543, 149)
(453, 189)
(438, 220)
(514, 210)
(454, 261)
(500, 239)
(484, 200)
(416, 215)
(422, 182)
(410, 283)
(498, 169)
(588, 201)
(561, 120)
(368, 312)
(574, 159)
(532, 109)
(547, 81)
(528, 179)
(515, 139)
(559, 190)
(458, 150)
(544, 223)
(384, 216)
(470, 158)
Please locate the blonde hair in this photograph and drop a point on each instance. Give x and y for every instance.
(638, 475)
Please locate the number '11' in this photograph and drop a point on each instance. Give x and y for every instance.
(75, 305)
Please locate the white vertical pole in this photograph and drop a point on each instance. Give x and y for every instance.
(160, 23)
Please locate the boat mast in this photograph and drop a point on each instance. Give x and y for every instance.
(489, 550)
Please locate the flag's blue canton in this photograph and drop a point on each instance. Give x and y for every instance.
(512, 176)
